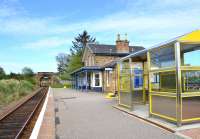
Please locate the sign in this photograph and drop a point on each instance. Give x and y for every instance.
(108, 69)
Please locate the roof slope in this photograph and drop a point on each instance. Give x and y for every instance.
(103, 49)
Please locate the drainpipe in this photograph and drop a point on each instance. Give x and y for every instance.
(86, 87)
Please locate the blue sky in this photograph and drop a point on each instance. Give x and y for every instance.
(33, 32)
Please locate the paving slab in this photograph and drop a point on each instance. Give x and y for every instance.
(81, 115)
(192, 133)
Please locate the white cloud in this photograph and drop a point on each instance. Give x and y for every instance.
(51, 42)
(160, 21)
(163, 21)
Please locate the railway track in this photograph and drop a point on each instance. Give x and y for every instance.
(14, 123)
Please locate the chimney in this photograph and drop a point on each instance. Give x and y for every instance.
(122, 46)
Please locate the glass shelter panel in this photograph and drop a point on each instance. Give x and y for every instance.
(191, 58)
(190, 108)
(137, 82)
(125, 82)
(162, 58)
(137, 70)
(190, 69)
(162, 82)
(191, 81)
(164, 106)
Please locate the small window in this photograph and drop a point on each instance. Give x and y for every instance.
(97, 80)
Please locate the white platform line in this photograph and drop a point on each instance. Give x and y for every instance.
(38, 123)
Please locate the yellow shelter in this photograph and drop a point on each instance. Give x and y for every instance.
(166, 77)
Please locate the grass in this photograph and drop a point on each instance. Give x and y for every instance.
(12, 90)
(59, 85)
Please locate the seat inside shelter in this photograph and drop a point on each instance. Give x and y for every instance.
(167, 77)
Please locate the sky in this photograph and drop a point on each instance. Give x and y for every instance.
(33, 32)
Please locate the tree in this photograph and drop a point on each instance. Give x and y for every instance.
(2, 73)
(75, 63)
(77, 51)
(28, 72)
(16, 76)
(69, 63)
(62, 62)
(80, 42)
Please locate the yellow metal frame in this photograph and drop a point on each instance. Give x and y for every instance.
(168, 69)
(118, 79)
(159, 115)
(143, 90)
(191, 119)
(168, 93)
(190, 68)
(156, 93)
(164, 95)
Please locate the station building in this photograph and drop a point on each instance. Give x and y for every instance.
(100, 66)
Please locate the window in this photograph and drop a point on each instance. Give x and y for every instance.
(97, 79)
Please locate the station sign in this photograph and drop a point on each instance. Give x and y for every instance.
(108, 69)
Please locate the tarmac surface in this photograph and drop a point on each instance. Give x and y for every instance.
(81, 115)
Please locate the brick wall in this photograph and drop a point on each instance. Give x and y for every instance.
(122, 46)
(89, 59)
(102, 60)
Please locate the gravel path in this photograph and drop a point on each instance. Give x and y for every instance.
(91, 116)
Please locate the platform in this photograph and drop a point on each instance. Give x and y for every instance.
(45, 124)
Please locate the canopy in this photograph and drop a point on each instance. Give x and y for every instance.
(193, 37)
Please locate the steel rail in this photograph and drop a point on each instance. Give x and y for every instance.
(17, 119)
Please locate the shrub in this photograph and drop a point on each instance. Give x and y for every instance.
(68, 85)
(57, 85)
(12, 90)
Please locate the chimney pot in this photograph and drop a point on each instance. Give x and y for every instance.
(118, 37)
(126, 37)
